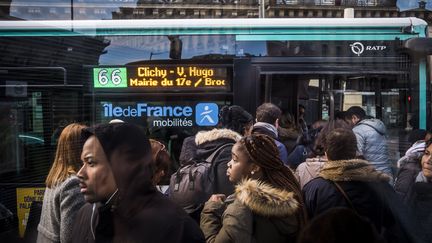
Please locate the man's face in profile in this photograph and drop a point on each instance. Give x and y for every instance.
(96, 178)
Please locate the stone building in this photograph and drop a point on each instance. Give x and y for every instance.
(156, 9)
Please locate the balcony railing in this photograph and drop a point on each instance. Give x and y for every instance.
(346, 3)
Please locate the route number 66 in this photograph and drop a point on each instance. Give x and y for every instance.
(109, 77)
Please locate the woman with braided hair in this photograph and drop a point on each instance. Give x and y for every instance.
(267, 205)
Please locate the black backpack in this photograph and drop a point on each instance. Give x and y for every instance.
(193, 184)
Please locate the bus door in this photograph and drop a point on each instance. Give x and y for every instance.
(387, 97)
(325, 89)
(35, 103)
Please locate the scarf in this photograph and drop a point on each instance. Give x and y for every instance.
(421, 177)
(267, 126)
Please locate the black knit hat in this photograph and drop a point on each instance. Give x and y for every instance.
(235, 118)
(113, 135)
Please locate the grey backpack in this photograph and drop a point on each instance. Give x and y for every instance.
(193, 184)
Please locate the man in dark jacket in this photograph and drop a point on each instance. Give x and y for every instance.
(267, 117)
(123, 205)
(348, 182)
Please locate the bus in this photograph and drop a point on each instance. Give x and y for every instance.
(172, 76)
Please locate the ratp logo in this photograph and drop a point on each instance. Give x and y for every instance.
(357, 48)
(206, 114)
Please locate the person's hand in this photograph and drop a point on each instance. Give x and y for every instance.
(217, 198)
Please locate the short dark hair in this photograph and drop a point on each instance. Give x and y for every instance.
(357, 111)
(341, 144)
(428, 143)
(340, 115)
(268, 113)
(321, 140)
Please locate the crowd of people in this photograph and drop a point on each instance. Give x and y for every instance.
(264, 179)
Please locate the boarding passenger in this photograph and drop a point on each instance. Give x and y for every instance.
(311, 168)
(267, 117)
(371, 139)
(62, 198)
(419, 196)
(288, 131)
(235, 122)
(232, 117)
(305, 145)
(345, 181)
(301, 118)
(267, 205)
(123, 204)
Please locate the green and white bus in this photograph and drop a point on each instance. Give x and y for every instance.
(166, 74)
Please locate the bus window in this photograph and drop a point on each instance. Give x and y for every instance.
(11, 156)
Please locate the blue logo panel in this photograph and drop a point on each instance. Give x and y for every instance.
(206, 114)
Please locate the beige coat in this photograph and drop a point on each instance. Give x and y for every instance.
(309, 169)
(257, 212)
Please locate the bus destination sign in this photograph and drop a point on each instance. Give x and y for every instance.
(160, 77)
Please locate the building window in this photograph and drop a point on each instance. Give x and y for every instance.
(325, 2)
(367, 2)
(100, 11)
(287, 2)
(34, 10)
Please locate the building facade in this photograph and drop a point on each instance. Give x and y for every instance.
(152, 9)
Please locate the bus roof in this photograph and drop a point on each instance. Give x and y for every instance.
(257, 29)
(211, 23)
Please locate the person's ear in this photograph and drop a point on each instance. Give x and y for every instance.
(354, 119)
(255, 169)
(277, 123)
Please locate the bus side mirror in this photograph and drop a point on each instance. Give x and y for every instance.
(175, 47)
(420, 46)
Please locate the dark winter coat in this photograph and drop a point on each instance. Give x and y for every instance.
(257, 212)
(419, 200)
(367, 189)
(288, 137)
(406, 176)
(188, 150)
(159, 221)
(209, 141)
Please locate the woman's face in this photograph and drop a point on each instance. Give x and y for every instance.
(427, 163)
(240, 166)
